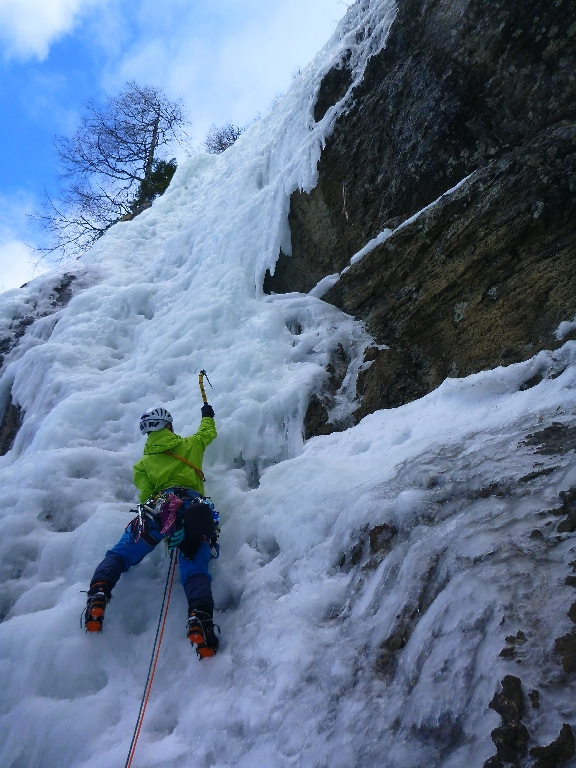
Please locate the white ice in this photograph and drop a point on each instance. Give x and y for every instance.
(565, 327)
(305, 605)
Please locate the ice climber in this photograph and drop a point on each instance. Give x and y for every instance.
(172, 507)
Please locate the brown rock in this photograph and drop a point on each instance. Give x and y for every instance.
(484, 276)
(557, 752)
(388, 650)
(316, 418)
(452, 90)
(565, 646)
(332, 89)
(509, 702)
(382, 537)
(511, 741)
(534, 697)
(395, 642)
(519, 638)
(563, 440)
(556, 439)
(9, 426)
(493, 762)
(568, 525)
(541, 472)
(482, 236)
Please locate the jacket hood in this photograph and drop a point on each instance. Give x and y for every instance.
(160, 441)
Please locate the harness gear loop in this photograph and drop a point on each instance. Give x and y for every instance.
(198, 471)
(154, 659)
(201, 384)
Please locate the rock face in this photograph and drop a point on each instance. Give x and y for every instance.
(557, 752)
(50, 299)
(478, 89)
(9, 426)
(511, 738)
(56, 297)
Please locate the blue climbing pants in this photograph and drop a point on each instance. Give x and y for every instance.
(194, 575)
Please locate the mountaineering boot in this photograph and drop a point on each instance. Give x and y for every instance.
(98, 598)
(201, 633)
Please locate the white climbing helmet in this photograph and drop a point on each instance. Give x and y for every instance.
(154, 419)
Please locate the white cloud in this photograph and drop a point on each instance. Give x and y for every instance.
(18, 261)
(17, 264)
(228, 59)
(28, 27)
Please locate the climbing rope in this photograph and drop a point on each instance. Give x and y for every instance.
(154, 659)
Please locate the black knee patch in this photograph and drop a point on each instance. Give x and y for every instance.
(199, 526)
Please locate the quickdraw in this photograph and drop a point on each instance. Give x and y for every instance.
(162, 511)
(139, 526)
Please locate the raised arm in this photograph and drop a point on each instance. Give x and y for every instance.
(207, 429)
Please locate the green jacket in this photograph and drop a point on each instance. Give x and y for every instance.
(156, 471)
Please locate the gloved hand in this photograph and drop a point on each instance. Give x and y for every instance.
(175, 539)
(207, 410)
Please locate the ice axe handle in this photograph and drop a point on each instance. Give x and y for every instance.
(201, 384)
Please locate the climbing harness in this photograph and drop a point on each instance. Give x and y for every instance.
(166, 512)
(154, 659)
(162, 511)
(145, 514)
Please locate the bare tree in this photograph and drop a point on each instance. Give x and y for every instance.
(219, 139)
(111, 168)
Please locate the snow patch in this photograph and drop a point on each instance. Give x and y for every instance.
(565, 327)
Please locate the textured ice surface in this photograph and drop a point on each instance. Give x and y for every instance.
(364, 576)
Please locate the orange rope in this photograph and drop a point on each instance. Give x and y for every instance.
(154, 660)
(199, 472)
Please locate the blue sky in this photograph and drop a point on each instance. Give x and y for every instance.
(227, 59)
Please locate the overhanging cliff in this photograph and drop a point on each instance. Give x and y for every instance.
(484, 277)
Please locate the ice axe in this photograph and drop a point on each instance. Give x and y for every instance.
(203, 375)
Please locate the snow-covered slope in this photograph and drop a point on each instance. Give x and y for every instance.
(364, 586)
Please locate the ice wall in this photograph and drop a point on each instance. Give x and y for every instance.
(336, 555)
